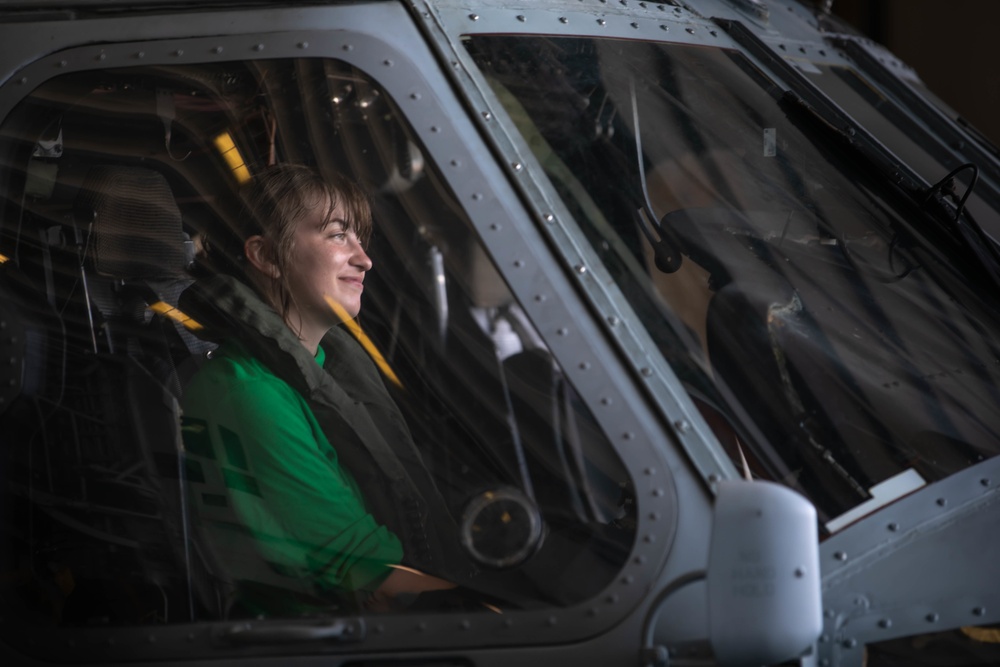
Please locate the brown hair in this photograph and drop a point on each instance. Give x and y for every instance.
(277, 199)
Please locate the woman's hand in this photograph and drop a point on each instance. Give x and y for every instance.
(404, 580)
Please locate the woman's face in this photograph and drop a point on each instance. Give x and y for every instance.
(327, 263)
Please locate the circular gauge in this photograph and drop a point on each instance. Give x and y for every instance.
(501, 528)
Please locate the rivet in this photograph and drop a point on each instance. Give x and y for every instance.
(151, 639)
(984, 481)
(841, 556)
(941, 502)
(612, 320)
(494, 226)
(639, 560)
(653, 516)
(824, 662)
(932, 617)
(824, 639)
(829, 613)
(849, 643)
(62, 63)
(593, 611)
(893, 526)
(646, 371)
(465, 625)
(800, 572)
(611, 599)
(563, 19)
(627, 579)
(518, 263)
(601, 22)
(190, 637)
(540, 298)
(713, 33)
(347, 47)
(583, 364)
(421, 626)
(627, 435)
(606, 401)
(689, 31)
(414, 96)
(521, 18)
(581, 269)
(477, 196)
(473, 17)
(562, 331)
(102, 56)
(140, 54)
(885, 623)
(379, 629)
(634, 24)
(549, 218)
(487, 115)
(387, 62)
(551, 621)
(979, 611)
(649, 471)
(435, 129)
(517, 166)
(508, 623)
(682, 425)
(258, 47)
(455, 163)
(666, 28)
(303, 45)
(649, 538)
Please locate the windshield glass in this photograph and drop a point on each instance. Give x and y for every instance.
(906, 139)
(826, 331)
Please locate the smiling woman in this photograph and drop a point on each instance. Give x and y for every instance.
(295, 494)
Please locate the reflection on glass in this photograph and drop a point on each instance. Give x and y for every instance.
(906, 139)
(825, 330)
(110, 514)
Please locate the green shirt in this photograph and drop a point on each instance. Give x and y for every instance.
(267, 471)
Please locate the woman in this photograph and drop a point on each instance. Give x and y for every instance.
(319, 479)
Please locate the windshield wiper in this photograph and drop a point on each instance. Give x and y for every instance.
(666, 249)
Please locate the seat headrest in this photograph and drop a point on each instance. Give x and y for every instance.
(137, 226)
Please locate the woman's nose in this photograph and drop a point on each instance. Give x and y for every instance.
(360, 258)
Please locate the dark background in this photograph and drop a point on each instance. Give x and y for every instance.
(953, 46)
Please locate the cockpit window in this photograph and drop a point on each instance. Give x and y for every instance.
(834, 339)
(122, 216)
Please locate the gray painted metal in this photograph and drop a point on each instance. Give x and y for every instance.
(891, 574)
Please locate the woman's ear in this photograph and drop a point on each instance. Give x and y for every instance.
(257, 252)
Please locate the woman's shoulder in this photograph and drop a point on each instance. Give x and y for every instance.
(233, 371)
